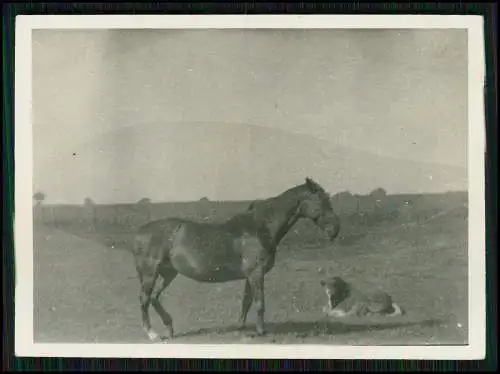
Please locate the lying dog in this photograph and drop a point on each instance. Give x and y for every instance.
(345, 301)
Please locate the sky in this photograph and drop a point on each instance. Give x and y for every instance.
(239, 114)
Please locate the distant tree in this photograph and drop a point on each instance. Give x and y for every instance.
(88, 201)
(343, 199)
(39, 197)
(145, 204)
(204, 199)
(345, 194)
(89, 212)
(378, 193)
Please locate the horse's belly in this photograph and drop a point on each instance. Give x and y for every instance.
(203, 267)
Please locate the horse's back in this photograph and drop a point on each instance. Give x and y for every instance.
(159, 232)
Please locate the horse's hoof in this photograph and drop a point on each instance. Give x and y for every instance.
(248, 335)
(169, 334)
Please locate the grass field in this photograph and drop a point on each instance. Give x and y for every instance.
(84, 293)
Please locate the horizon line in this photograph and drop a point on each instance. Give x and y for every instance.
(201, 200)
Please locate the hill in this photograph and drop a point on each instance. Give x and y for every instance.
(188, 160)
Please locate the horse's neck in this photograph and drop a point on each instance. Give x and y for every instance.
(282, 228)
(282, 215)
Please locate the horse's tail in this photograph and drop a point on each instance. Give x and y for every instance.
(141, 243)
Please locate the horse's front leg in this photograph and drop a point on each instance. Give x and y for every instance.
(256, 281)
(245, 304)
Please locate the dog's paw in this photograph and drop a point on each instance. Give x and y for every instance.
(337, 313)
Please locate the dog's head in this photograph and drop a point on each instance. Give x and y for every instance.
(337, 290)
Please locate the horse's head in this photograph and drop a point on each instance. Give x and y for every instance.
(318, 208)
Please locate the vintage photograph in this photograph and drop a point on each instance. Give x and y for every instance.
(257, 187)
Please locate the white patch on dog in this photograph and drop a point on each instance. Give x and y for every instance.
(349, 303)
(329, 293)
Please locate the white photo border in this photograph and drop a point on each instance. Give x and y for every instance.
(23, 220)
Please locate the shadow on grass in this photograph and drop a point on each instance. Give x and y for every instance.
(351, 239)
(310, 328)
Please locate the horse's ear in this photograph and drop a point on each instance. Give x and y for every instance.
(311, 185)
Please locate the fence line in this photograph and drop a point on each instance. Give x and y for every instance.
(415, 224)
(132, 214)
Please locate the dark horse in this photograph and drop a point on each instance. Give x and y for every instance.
(243, 247)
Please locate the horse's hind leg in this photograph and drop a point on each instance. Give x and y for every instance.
(168, 274)
(146, 266)
(147, 286)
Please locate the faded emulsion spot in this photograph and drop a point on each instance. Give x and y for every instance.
(74, 154)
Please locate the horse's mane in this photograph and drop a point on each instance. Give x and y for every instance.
(265, 205)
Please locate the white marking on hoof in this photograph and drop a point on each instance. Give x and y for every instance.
(152, 335)
(246, 337)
